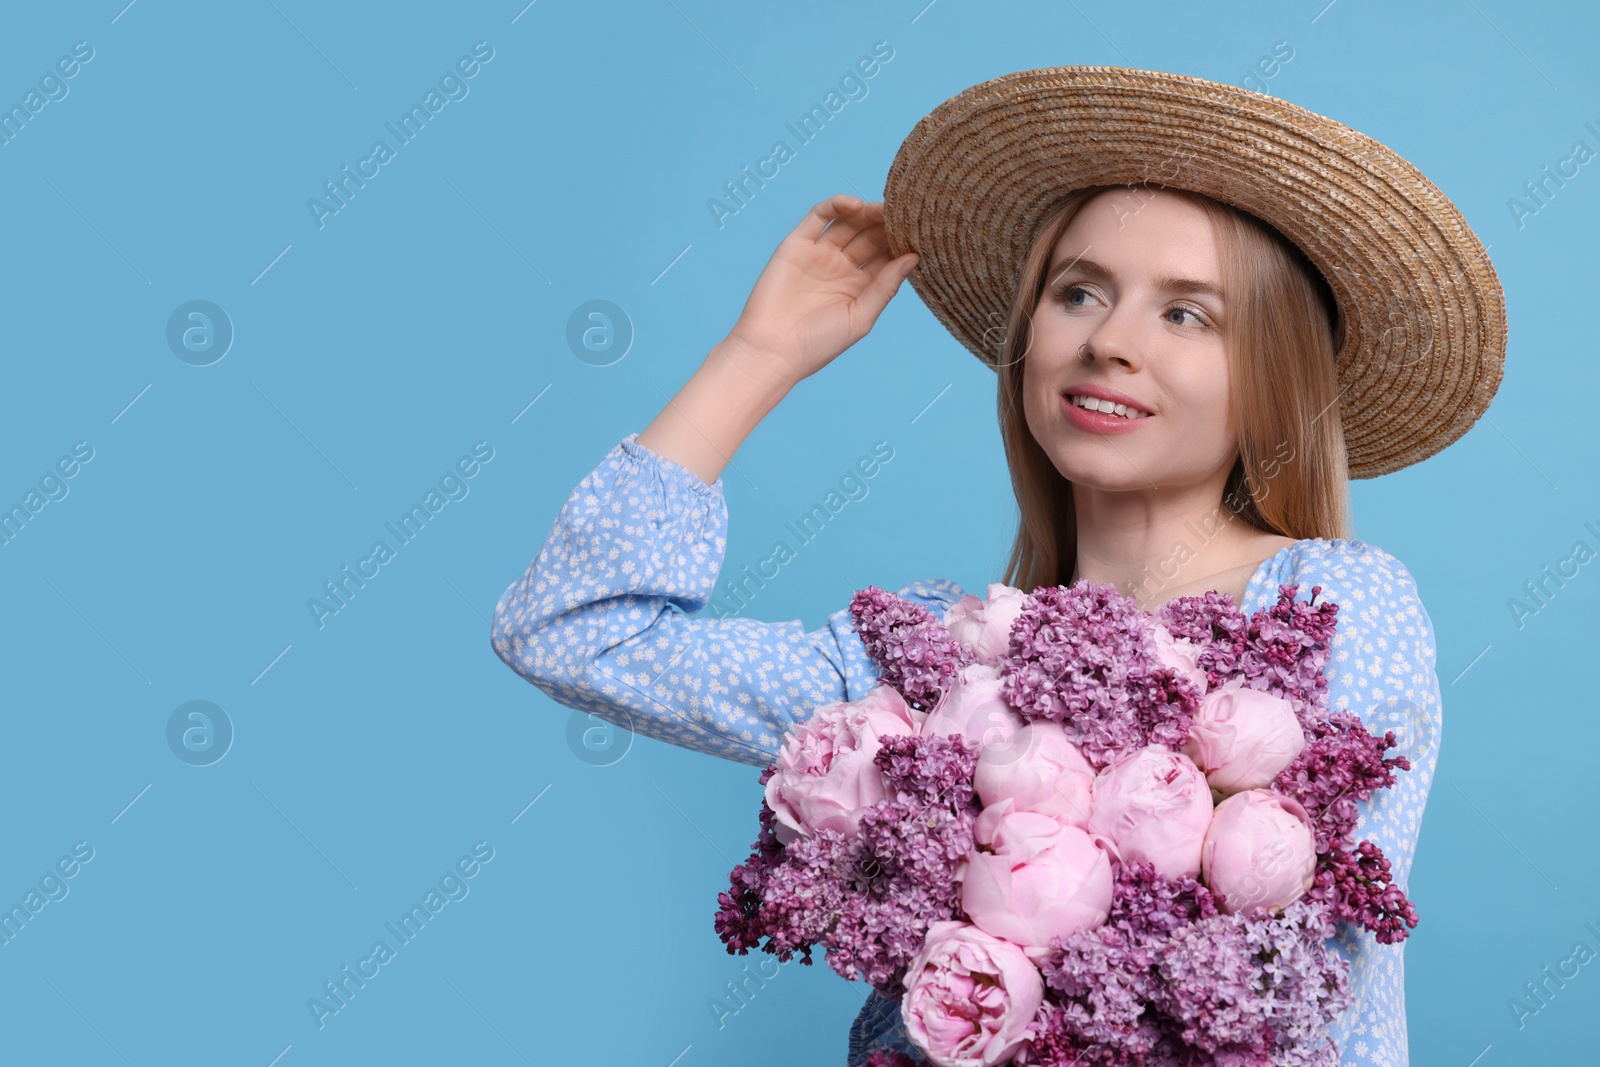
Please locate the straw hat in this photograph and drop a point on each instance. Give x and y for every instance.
(1424, 348)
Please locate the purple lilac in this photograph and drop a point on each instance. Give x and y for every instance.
(1256, 987)
(1305, 983)
(910, 846)
(1052, 1043)
(738, 919)
(868, 898)
(914, 652)
(1214, 622)
(1170, 981)
(1286, 648)
(1342, 763)
(1148, 904)
(1360, 888)
(1102, 981)
(936, 769)
(1083, 657)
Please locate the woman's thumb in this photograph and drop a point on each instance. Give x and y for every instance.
(889, 279)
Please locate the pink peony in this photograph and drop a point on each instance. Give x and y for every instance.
(969, 997)
(1259, 851)
(825, 775)
(1032, 878)
(974, 708)
(1154, 805)
(1041, 771)
(1242, 738)
(1179, 653)
(985, 625)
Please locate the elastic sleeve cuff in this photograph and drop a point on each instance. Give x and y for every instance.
(648, 526)
(670, 470)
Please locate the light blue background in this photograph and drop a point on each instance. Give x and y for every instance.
(429, 312)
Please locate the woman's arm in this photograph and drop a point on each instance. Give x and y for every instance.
(1381, 666)
(717, 408)
(601, 618)
(600, 621)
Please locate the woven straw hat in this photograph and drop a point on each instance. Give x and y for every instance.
(1424, 347)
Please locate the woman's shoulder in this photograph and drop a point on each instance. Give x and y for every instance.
(1364, 579)
(1346, 560)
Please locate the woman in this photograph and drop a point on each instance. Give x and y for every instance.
(1172, 379)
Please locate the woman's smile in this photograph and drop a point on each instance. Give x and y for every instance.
(1100, 421)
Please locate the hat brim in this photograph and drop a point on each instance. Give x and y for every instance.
(1424, 347)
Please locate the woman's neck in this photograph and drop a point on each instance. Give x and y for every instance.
(1175, 550)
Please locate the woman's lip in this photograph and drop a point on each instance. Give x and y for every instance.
(1096, 422)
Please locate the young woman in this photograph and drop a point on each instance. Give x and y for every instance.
(1172, 372)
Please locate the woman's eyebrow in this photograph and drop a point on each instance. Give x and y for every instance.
(1167, 283)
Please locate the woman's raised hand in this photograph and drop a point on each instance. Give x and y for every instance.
(821, 291)
(819, 294)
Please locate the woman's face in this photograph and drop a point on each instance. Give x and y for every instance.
(1135, 277)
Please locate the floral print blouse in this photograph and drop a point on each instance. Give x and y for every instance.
(603, 620)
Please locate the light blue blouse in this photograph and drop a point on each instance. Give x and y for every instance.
(603, 621)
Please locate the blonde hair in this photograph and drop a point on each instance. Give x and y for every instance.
(1283, 330)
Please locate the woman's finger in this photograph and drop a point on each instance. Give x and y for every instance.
(850, 223)
(867, 245)
(886, 278)
(821, 214)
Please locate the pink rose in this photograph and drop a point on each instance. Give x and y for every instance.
(1179, 653)
(825, 776)
(1242, 738)
(969, 997)
(974, 708)
(1032, 878)
(1259, 852)
(1154, 805)
(985, 625)
(1041, 771)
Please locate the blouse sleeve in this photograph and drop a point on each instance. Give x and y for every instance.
(604, 621)
(1382, 667)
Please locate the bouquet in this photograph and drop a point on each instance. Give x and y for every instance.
(1062, 830)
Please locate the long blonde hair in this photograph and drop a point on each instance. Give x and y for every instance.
(1283, 330)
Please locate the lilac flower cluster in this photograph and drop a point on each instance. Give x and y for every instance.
(1358, 886)
(1285, 649)
(1281, 649)
(1107, 981)
(1082, 656)
(744, 919)
(1183, 985)
(871, 897)
(913, 650)
(1214, 622)
(1256, 988)
(1342, 763)
(910, 847)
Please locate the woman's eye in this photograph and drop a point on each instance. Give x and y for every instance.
(1066, 294)
(1180, 310)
